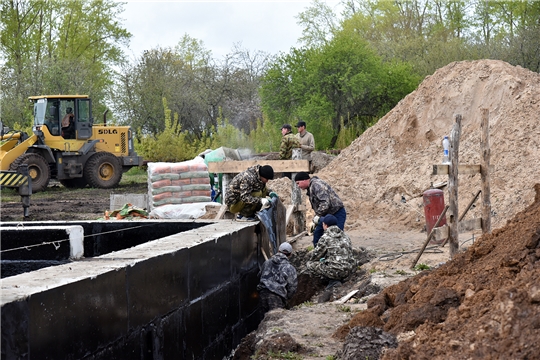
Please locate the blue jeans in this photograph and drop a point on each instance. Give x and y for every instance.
(341, 216)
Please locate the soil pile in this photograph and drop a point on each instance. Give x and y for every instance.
(484, 304)
(395, 156)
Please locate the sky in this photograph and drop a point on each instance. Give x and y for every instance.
(269, 26)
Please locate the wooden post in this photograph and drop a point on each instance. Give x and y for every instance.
(453, 182)
(225, 180)
(299, 217)
(484, 172)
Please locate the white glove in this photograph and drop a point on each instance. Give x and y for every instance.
(316, 219)
(265, 203)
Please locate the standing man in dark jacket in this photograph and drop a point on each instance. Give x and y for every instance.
(247, 192)
(278, 280)
(324, 201)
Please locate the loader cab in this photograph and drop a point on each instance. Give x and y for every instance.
(59, 111)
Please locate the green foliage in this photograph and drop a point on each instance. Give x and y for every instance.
(344, 308)
(306, 304)
(57, 47)
(401, 272)
(171, 145)
(266, 137)
(229, 136)
(420, 267)
(341, 83)
(282, 355)
(135, 175)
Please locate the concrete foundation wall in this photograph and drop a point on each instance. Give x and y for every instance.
(188, 295)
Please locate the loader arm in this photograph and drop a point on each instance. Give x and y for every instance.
(12, 149)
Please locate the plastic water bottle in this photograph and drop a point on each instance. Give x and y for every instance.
(446, 149)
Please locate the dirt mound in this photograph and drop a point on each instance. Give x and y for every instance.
(395, 156)
(482, 304)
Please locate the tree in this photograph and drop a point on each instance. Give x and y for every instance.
(53, 46)
(200, 90)
(342, 82)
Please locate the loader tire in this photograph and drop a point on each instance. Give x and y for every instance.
(77, 183)
(103, 170)
(38, 169)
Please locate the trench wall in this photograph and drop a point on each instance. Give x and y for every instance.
(187, 295)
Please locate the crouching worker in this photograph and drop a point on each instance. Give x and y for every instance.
(332, 259)
(248, 193)
(278, 281)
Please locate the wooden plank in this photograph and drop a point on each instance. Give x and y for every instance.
(234, 166)
(462, 169)
(441, 232)
(430, 235)
(288, 214)
(346, 298)
(296, 237)
(221, 212)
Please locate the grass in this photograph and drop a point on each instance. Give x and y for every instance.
(305, 303)
(136, 175)
(421, 267)
(284, 355)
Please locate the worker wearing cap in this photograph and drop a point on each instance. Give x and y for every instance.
(288, 143)
(278, 280)
(324, 201)
(247, 192)
(306, 139)
(333, 257)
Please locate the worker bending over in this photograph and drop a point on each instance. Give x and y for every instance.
(333, 258)
(248, 193)
(324, 201)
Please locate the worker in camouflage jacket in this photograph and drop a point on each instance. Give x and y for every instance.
(324, 201)
(247, 192)
(333, 257)
(288, 142)
(278, 280)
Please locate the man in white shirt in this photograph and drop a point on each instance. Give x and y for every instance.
(307, 142)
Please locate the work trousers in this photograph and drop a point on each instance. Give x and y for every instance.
(271, 301)
(248, 210)
(341, 216)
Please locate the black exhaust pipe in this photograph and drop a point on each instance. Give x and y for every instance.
(105, 117)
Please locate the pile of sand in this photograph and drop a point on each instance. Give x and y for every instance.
(395, 156)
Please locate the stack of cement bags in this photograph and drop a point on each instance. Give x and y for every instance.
(178, 183)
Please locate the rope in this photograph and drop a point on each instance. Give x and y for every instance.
(56, 243)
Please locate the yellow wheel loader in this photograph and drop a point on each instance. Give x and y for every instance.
(68, 146)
